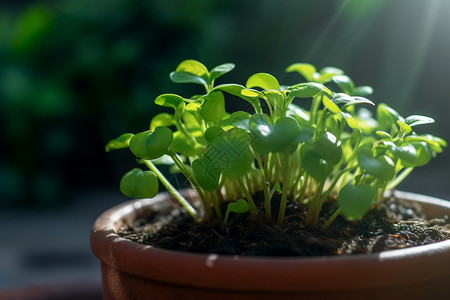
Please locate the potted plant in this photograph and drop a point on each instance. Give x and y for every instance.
(289, 170)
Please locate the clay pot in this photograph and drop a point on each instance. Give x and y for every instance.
(134, 271)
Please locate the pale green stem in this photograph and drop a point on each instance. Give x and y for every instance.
(331, 219)
(191, 210)
(248, 196)
(190, 176)
(286, 179)
(314, 208)
(399, 178)
(265, 188)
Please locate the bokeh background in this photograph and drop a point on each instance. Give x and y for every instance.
(76, 73)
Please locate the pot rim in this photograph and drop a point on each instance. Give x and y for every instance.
(226, 272)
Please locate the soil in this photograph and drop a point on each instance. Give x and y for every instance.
(393, 225)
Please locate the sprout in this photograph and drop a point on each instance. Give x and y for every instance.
(335, 150)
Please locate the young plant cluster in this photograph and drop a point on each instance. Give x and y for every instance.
(334, 150)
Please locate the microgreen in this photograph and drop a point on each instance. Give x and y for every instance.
(336, 150)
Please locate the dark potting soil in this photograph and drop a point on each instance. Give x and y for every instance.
(393, 225)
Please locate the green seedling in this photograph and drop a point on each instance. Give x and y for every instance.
(337, 150)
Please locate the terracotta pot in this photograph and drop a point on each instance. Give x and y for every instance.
(134, 271)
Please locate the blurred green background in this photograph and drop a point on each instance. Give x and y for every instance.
(76, 73)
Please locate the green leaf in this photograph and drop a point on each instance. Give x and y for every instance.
(381, 167)
(383, 134)
(330, 105)
(362, 91)
(405, 128)
(240, 206)
(327, 73)
(415, 120)
(213, 108)
(306, 70)
(185, 77)
(308, 90)
(239, 119)
(221, 70)
(264, 81)
(345, 83)
(405, 153)
(139, 184)
(193, 67)
(299, 114)
(341, 98)
(273, 138)
(387, 117)
(355, 201)
(206, 174)
(423, 155)
(121, 142)
(212, 132)
(185, 145)
(151, 145)
(328, 147)
(230, 153)
(236, 90)
(314, 164)
(162, 119)
(163, 160)
(169, 100)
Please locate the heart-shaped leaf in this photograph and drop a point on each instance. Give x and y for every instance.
(151, 144)
(139, 184)
(213, 108)
(185, 145)
(273, 138)
(328, 147)
(230, 153)
(207, 175)
(355, 201)
(121, 142)
(313, 164)
(381, 167)
(239, 207)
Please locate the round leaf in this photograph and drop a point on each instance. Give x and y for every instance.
(264, 81)
(151, 145)
(139, 184)
(355, 201)
(193, 67)
(186, 77)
